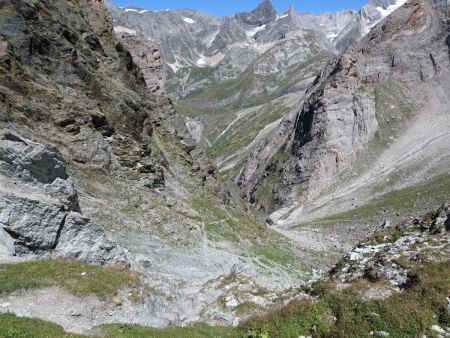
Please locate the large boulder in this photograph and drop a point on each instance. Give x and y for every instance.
(30, 161)
(39, 210)
(33, 224)
(38, 167)
(82, 239)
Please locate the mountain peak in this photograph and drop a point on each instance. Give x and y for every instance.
(263, 14)
(290, 11)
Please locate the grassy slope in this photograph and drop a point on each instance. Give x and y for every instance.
(333, 314)
(410, 200)
(330, 313)
(17, 327)
(246, 129)
(75, 277)
(255, 241)
(403, 315)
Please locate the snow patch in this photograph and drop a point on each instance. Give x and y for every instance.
(188, 20)
(209, 61)
(252, 32)
(282, 16)
(391, 8)
(385, 13)
(135, 10)
(121, 29)
(332, 35)
(175, 66)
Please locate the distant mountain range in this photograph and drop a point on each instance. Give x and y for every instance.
(199, 49)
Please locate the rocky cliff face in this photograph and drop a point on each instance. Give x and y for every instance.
(262, 15)
(147, 56)
(248, 69)
(135, 173)
(68, 81)
(340, 115)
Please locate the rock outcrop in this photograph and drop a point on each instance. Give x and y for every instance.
(147, 56)
(391, 254)
(338, 117)
(39, 209)
(262, 15)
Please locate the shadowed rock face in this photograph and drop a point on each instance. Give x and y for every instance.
(147, 56)
(23, 158)
(337, 118)
(71, 83)
(77, 79)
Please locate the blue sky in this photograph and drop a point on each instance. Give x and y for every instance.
(229, 7)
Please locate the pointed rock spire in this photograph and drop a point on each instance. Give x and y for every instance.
(291, 10)
(263, 14)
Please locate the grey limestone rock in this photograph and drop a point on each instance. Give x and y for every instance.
(6, 244)
(30, 161)
(40, 166)
(262, 15)
(199, 50)
(33, 224)
(337, 118)
(39, 210)
(82, 239)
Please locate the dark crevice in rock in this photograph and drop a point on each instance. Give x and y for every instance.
(94, 43)
(70, 36)
(8, 136)
(447, 41)
(303, 127)
(433, 61)
(101, 124)
(58, 233)
(21, 244)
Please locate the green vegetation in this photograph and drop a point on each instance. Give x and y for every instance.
(16, 327)
(248, 308)
(389, 234)
(220, 104)
(254, 239)
(240, 92)
(133, 331)
(271, 253)
(6, 10)
(334, 314)
(78, 278)
(412, 200)
(246, 129)
(202, 73)
(345, 314)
